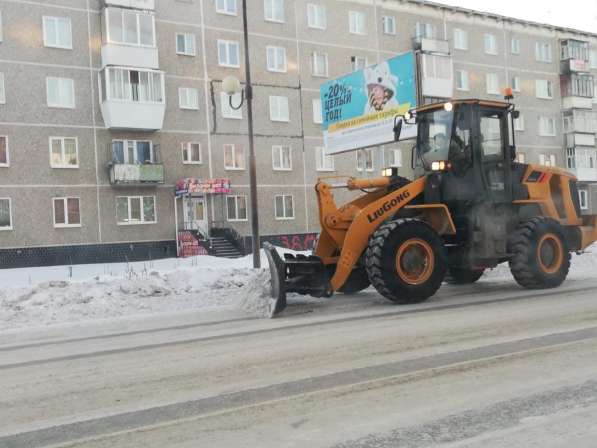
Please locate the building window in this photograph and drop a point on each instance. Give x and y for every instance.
(515, 45)
(547, 160)
(2, 89)
(274, 10)
(276, 59)
(462, 80)
(282, 158)
(278, 108)
(57, 32)
(135, 210)
(460, 39)
(132, 85)
(543, 89)
(228, 53)
(132, 152)
(284, 206)
(358, 62)
(577, 85)
(547, 126)
(389, 25)
(188, 98)
(492, 82)
(543, 52)
(130, 27)
(520, 157)
(5, 214)
(365, 160)
(1, 28)
(396, 157)
(236, 208)
(593, 59)
(519, 123)
(234, 157)
(319, 64)
(226, 7)
(227, 110)
(185, 44)
(423, 31)
(583, 196)
(64, 152)
(4, 155)
(191, 153)
(356, 22)
(60, 92)
(323, 161)
(66, 212)
(516, 83)
(317, 112)
(316, 16)
(578, 120)
(490, 44)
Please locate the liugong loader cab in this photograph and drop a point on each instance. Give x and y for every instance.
(471, 207)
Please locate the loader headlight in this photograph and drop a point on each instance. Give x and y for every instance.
(389, 172)
(440, 165)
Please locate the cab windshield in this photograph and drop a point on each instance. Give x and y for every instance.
(433, 136)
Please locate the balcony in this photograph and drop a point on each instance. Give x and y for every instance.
(135, 162)
(136, 4)
(582, 162)
(428, 45)
(437, 79)
(132, 174)
(574, 56)
(132, 99)
(574, 66)
(577, 91)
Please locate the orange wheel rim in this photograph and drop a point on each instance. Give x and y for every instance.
(550, 253)
(415, 261)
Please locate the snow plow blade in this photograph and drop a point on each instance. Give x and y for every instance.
(299, 273)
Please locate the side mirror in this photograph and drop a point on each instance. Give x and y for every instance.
(413, 157)
(512, 153)
(515, 114)
(397, 127)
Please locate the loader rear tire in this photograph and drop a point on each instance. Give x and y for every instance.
(463, 276)
(406, 261)
(540, 257)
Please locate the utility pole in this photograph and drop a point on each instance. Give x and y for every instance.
(252, 164)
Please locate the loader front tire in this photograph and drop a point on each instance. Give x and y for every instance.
(540, 257)
(406, 261)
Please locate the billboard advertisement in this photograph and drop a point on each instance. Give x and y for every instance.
(358, 109)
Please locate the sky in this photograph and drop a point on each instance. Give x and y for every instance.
(577, 14)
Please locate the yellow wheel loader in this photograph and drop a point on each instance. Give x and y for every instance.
(471, 207)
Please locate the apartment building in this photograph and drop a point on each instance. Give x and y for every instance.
(107, 105)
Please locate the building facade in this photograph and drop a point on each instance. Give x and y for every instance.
(106, 104)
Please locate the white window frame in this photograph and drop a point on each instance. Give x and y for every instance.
(488, 87)
(357, 19)
(493, 48)
(2, 89)
(520, 157)
(60, 87)
(227, 111)
(514, 45)
(544, 131)
(424, 30)
(65, 46)
(358, 62)
(543, 52)
(283, 217)
(269, 15)
(273, 64)
(234, 148)
(129, 222)
(593, 59)
(62, 152)
(120, 39)
(320, 160)
(236, 208)
(186, 148)
(366, 154)
(125, 87)
(277, 156)
(583, 201)
(190, 40)
(125, 150)
(519, 123)
(396, 158)
(228, 45)
(1, 28)
(388, 29)
(460, 39)
(516, 84)
(462, 78)
(183, 94)
(9, 227)
(285, 118)
(316, 16)
(317, 111)
(315, 65)
(227, 4)
(7, 164)
(66, 224)
(548, 89)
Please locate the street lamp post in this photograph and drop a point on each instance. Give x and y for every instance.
(231, 86)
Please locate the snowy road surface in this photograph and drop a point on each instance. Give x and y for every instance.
(485, 365)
